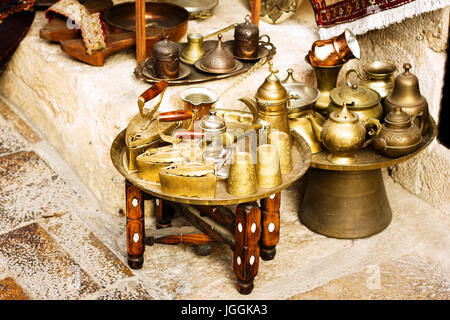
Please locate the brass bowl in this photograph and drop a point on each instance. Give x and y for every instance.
(161, 16)
(301, 96)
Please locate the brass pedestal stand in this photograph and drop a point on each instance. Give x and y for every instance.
(350, 201)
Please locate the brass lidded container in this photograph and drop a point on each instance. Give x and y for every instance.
(246, 38)
(399, 135)
(166, 58)
(213, 127)
(406, 95)
(367, 102)
(219, 60)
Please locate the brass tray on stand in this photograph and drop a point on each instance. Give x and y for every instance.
(301, 158)
(350, 201)
(196, 75)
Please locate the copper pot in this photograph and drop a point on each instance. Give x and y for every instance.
(334, 51)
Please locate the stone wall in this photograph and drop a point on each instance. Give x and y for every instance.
(80, 108)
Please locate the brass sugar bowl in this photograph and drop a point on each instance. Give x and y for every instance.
(399, 135)
(407, 95)
(342, 134)
(367, 102)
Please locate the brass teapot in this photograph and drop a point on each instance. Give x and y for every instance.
(399, 135)
(342, 134)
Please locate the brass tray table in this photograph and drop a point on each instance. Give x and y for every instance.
(252, 231)
(350, 201)
(196, 75)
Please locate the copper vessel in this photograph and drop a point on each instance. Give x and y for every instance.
(367, 102)
(399, 135)
(246, 39)
(335, 51)
(165, 59)
(406, 95)
(199, 100)
(219, 60)
(342, 134)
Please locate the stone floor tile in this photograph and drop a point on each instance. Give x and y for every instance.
(124, 290)
(29, 189)
(10, 140)
(405, 278)
(42, 267)
(29, 134)
(86, 249)
(10, 290)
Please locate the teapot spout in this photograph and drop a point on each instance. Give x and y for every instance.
(252, 106)
(316, 127)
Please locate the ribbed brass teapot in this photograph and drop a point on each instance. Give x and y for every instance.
(343, 134)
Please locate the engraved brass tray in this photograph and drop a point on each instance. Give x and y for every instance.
(301, 156)
(369, 159)
(196, 75)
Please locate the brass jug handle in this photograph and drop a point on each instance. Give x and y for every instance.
(152, 92)
(421, 120)
(372, 134)
(347, 74)
(169, 117)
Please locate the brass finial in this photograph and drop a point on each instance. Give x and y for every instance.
(271, 69)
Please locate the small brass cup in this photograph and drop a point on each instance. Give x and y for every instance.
(242, 175)
(282, 142)
(268, 173)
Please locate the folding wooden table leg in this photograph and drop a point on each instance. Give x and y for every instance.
(164, 214)
(135, 225)
(247, 233)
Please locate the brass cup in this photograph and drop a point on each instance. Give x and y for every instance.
(194, 49)
(242, 175)
(268, 173)
(282, 142)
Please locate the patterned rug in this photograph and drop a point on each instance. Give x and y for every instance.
(360, 16)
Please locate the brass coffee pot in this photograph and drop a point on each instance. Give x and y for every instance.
(343, 134)
(270, 103)
(399, 135)
(378, 76)
(406, 95)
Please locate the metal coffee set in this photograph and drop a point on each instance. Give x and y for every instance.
(200, 160)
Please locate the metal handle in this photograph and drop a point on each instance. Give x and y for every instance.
(232, 26)
(421, 120)
(152, 92)
(169, 117)
(372, 134)
(347, 76)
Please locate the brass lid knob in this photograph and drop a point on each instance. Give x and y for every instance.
(398, 118)
(272, 91)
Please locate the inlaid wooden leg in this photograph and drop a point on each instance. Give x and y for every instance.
(247, 232)
(164, 214)
(270, 236)
(135, 225)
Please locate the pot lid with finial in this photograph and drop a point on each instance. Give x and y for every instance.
(344, 115)
(246, 30)
(165, 49)
(218, 60)
(272, 91)
(406, 91)
(212, 123)
(397, 118)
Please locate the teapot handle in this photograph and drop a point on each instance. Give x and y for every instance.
(371, 121)
(348, 74)
(421, 120)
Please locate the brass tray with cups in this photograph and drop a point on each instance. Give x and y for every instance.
(199, 59)
(206, 156)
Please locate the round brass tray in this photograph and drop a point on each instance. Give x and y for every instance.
(369, 159)
(301, 156)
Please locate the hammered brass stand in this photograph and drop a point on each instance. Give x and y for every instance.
(350, 201)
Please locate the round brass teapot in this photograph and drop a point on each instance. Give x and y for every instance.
(342, 134)
(398, 136)
(367, 102)
(407, 95)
